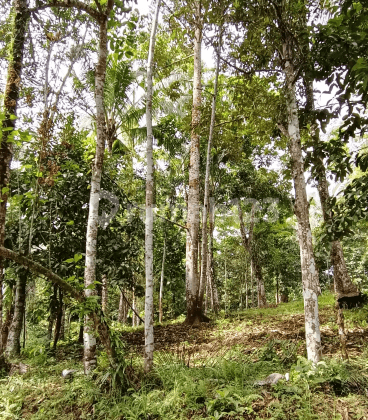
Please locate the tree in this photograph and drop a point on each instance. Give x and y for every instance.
(281, 48)
(11, 97)
(148, 319)
(204, 250)
(194, 306)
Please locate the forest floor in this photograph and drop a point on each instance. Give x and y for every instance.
(206, 372)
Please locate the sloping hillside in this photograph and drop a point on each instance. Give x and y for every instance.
(207, 372)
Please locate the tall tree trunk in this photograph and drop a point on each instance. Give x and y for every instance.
(148, 307)
(15, 330)
(92, 224)
(11, 96)
(104, 295)
(194, 312)
(204, 249)
(160, 311)
(310, 279)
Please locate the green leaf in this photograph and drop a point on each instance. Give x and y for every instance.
(77, 257)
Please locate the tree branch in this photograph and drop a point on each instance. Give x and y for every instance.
(40, 270)
(69, 4)
(130, 306)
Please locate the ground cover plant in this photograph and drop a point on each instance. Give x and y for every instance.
(240, 350)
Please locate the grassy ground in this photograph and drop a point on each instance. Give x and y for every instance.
(207, 372)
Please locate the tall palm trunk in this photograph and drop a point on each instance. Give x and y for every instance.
(310, 278)
(11, 97)
(92, 224)
(194, 312)
(148, 318)
(13, 342)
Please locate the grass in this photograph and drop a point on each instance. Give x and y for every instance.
(223, 389)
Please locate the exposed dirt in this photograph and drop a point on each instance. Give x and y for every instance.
(211, 340)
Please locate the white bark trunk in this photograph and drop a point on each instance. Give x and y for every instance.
(148, 318)
(204, 249)
(210, 268)
(162, 282)
(192, 280)
(309, 270)
(92, 224)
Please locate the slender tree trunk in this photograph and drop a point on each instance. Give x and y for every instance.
(123, 309)
(52, 316)
(62, 327)
(59, 317)
(162, 282)
(256, 269)
(210, 266)
(15, 330)
(6, 325)
(104, 295)
(11, 96)
(246, 293)
(148, 317)
(92, 224)
(342, 333)
(310, 279)
(134, 317)
(81, 332)
(207, 182)
(261, 291)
